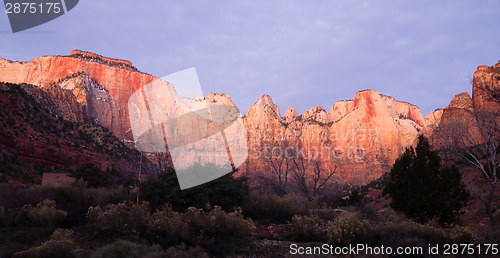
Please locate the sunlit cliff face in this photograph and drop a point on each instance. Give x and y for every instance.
(360, 137)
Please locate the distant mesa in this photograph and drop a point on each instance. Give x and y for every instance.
(89, 56)
(88, 87)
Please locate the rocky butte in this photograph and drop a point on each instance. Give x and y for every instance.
(361, 138)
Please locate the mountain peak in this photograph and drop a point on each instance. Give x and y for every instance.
(317, 114)
(462, 100)
(219, 98)
(291, 115)
(266, 102)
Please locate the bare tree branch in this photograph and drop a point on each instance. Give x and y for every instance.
(474, 138)
(279, 160)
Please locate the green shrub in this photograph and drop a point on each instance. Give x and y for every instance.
(61, 244)
(325, 213)
(118, 217)
(112, 216)
(394, 229)
(138, 214)
(95, 177)
(213, 229)
(308, 228)
(348, 229)
(460, 235)
(124, 249)
(44, 214)
(15, 196)
(227, 191)
(275, 208)
(74, 199)
(220, 223)
(62, 234)
(410, 233)
(180, 251)
(50, 249)
(196, 224)
(77, 199)
(411, 228)
(20, 215)
(167, 226)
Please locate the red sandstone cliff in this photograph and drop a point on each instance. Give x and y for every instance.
(34, 140)
(101, 85)
(361, 137)
(463, 109)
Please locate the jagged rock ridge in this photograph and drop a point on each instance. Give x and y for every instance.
(361, 137)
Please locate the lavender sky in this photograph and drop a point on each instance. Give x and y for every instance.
(302, 53)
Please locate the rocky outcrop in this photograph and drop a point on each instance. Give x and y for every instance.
(291, 115)
(101, 59)
(218, 98)
(486, 88)
(265, 108)
(431, 122)
(433, 118)
(464, 110)
(404, 110)
(340, 109)
(461, 101)
(105, 91)
(33, 140)
(316, 115)
(360, 137)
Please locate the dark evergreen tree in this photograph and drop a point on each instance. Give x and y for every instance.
(422, 189)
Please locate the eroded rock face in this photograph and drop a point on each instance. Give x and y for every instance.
(462, 100)
(340, 109)
(486, 85)
(34, 140)
(433, 118)
(404, 110)
(316, 114)
(361, 137)
(291, 115)
(463, 111)
(106, 76)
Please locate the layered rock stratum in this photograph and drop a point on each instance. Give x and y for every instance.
(101, 86)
